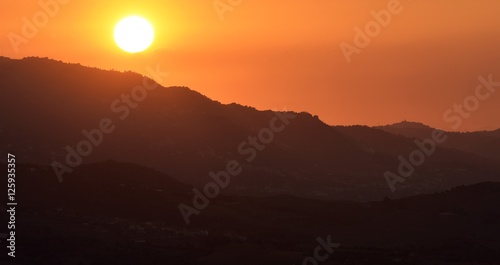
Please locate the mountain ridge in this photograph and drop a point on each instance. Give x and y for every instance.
(482, 143)
(187, 135)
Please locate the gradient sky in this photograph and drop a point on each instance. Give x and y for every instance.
(271, 54)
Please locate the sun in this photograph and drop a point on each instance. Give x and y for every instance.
(134, 34)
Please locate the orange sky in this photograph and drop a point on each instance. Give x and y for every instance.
(271, 54)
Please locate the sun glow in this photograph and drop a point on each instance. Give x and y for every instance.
(134, 34)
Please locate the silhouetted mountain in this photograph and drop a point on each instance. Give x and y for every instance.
(120, 213)
(483, 143)
(187, 135)
(406, 128)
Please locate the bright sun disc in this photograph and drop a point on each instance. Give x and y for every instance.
(134, 34)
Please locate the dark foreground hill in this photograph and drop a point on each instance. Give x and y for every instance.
(50, 108)
(121, 213)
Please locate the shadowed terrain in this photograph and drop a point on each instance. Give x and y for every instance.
(126, 214)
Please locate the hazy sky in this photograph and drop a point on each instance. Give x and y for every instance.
(271, 54)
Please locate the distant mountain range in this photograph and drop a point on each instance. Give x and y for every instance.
(483, 143)
(46, 105)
